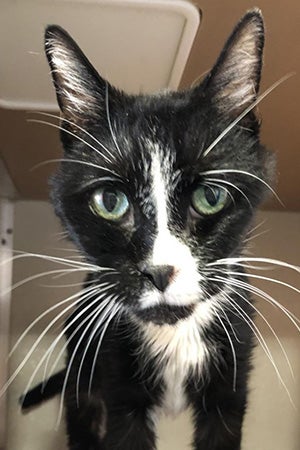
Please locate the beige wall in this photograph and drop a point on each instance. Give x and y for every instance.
(271, 422)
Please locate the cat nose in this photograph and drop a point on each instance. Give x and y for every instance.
(160, 276)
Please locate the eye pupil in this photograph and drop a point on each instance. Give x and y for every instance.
(208, 200)
(110, 200)
(212, 195)
(109, 203)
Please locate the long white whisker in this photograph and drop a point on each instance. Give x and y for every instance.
(79, 128)
(38, 340)
(65, 329)
(242, 172)
(67, 262)
(258, 225)
(210, 183)
(68, 370)
(115, 310)
(232, 350)
(78, 161)
(254, 236)
(262, 342)
(245, 112)
(253, 259)
(252, 326)
(260, 337)
(40, 317)
(229, 323)
(261, 277)
(232, 185)
(48, 353)
(39, 275)
(109, 121)
(270, 328)
(100, 320)
(59, 127)
(253, 289)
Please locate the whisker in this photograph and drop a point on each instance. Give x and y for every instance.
(258, 225)
(68, 370)
(261, 277)
(229, 323)
(253, 259)
(78, 161)
(79, 128)
(263, 343)
(41, 316)
(242, 172)
(91, 337)
(245, 112)
(210, 183)
(232, 350)
(40, 275)
(253, 289)
(269, 326)
(116, 309)
(28, 355)
(109, 121)
(254, 236)
(93, 313)
(232, 185)
(59, 127)
(101, 306)
(68, 326)
(259, 335)
(58, 259)
(48, 353)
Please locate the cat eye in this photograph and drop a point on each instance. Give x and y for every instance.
(109, 203)
(208, 200)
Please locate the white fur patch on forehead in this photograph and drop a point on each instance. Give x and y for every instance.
(159, 188)
(168, 249)
(161, 181)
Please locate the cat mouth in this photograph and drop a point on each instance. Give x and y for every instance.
(165, 313)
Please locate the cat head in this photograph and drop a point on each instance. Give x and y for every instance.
(159, 187)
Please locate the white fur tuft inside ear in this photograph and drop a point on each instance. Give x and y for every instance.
(235, 78)
(74, 78)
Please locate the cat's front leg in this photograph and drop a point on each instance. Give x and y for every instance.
(95, 426)
(85, 420)
(129, 428)
(218, 425)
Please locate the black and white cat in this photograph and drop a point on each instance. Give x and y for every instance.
(156, 192)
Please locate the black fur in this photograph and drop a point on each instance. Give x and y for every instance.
(127, 382)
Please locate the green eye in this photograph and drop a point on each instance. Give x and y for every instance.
(209, 200)
(109, 203)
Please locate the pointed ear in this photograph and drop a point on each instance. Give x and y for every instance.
(79, 88)
(234, 80)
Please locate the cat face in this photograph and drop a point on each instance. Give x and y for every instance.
(149, 187)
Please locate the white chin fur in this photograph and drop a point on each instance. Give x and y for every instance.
(179, 350)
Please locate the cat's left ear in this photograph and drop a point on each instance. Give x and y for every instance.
(79, 88)
(234, 81)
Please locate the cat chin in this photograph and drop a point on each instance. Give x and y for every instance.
(164, 314)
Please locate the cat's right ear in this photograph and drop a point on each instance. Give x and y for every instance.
(233, 83)
(79, 88)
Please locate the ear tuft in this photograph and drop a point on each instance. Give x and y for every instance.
(235, 78)
(76, 82)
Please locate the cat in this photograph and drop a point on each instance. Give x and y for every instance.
(157, 191)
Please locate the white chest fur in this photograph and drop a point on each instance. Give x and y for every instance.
(179, 349)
